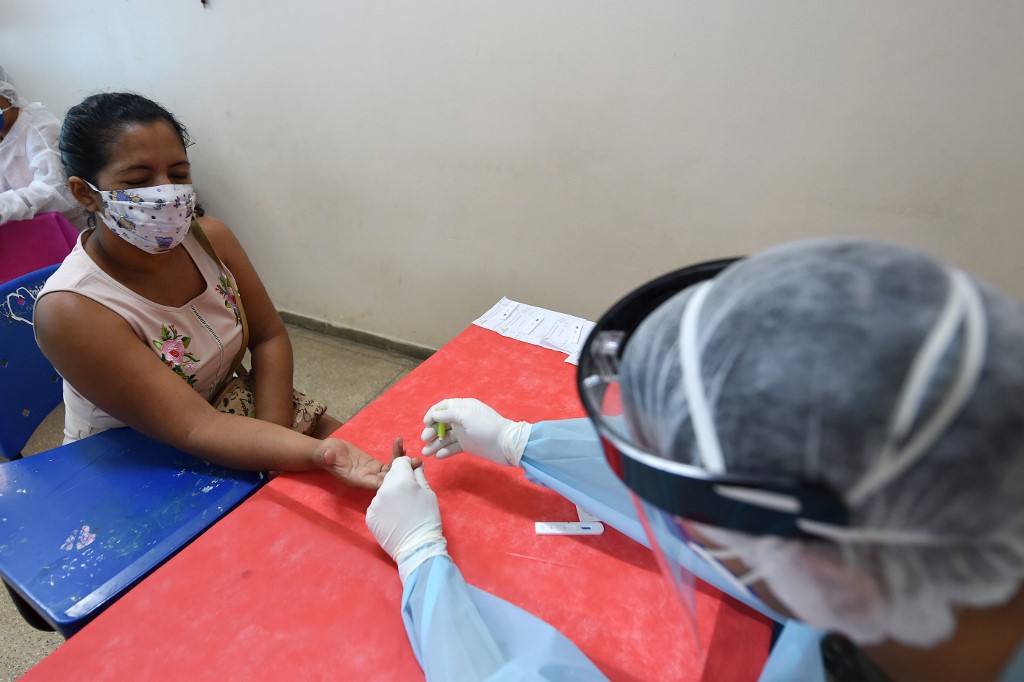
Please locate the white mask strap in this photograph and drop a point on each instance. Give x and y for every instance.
(964, 308)
(743, 582)
(783, 553)
(708, 447)
(710, 557)
(895, 536)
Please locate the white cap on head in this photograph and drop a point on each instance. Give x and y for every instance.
(7, 89)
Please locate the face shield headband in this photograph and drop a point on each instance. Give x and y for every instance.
(759, 505)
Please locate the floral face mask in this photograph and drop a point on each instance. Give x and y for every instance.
(154, 219)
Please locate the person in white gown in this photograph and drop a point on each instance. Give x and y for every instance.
(31, 176)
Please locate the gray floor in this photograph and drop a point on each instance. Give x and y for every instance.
(345, 375)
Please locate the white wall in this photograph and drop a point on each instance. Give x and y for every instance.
(398, 166)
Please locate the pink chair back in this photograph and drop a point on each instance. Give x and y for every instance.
(28, 245)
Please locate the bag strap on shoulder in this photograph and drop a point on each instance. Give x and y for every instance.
(204, 241)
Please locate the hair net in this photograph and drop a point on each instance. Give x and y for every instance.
(7, 90)
(872, 368)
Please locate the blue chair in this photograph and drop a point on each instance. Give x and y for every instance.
(30, 387)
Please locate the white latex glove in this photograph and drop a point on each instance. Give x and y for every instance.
(475, 428)
(405, 519)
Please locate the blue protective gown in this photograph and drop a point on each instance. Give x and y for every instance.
(459, 632)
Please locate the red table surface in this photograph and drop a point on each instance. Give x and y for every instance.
(291, 585)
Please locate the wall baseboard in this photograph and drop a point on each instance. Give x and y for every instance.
(358, 336)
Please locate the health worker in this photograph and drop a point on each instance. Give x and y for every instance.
(831, 431)
(31, 178)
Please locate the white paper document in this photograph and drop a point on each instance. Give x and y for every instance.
(537, 326)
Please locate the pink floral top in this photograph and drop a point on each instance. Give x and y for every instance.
(197, 341)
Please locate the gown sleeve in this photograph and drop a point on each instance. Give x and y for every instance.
(566, 456)
(459, 632)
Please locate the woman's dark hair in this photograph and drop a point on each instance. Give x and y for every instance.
(92, 127)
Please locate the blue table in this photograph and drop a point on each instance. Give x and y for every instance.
(81, 524)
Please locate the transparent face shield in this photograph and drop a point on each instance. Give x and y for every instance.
(684, 560)
(669, 540)
(666, 491)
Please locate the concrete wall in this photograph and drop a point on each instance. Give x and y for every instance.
(397, 166)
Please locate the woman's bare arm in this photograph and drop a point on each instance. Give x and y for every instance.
(95, 350)
(269, 345)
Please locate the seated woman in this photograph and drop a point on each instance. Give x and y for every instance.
(31, 179)
(145, 318)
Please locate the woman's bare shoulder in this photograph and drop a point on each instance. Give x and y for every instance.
(60, 311)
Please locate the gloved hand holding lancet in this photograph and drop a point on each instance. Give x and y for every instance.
(475, 428)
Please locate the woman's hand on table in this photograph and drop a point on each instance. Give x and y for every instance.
(351, 464)
(474, 427)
